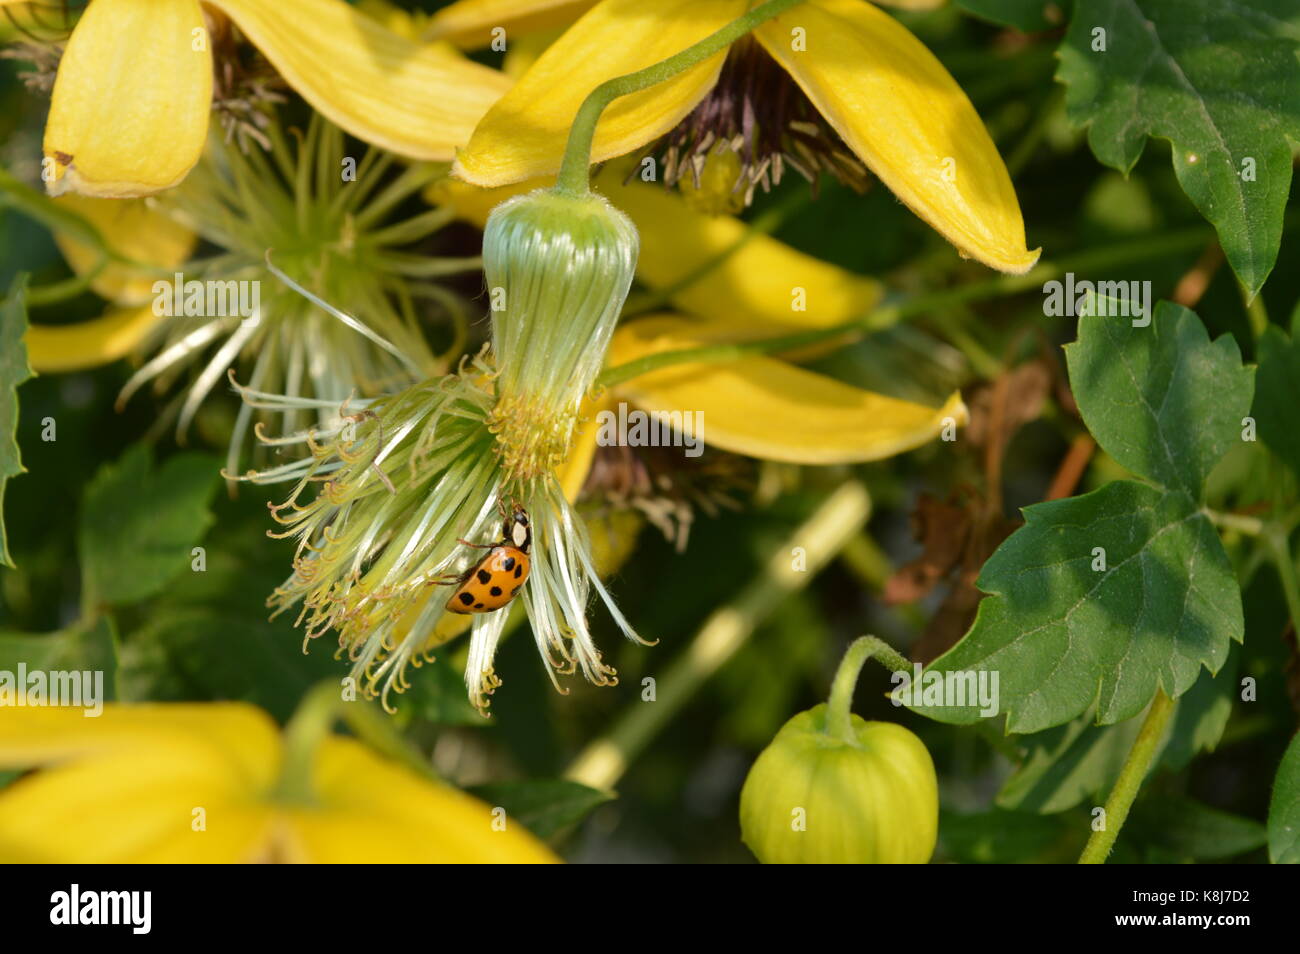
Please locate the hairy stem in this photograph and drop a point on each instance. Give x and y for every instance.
(573, 178)
(1131, 776)
(838, 710)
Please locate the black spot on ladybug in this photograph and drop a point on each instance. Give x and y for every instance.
(478, 605)
(518, 572)
(509, 564)
(484, 577)
(466, 599)
(496, 591)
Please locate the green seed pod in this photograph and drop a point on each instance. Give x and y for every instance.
(558, 270)
(812, 798)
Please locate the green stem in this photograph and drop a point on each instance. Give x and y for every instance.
(835, 522)
(878, 319)
(1279, 550)
(307, 729)
(1131, 776)
(839, 721)
(573, 178)
(313, 722)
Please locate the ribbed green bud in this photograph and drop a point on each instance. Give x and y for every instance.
(813, 798)
(558, 271)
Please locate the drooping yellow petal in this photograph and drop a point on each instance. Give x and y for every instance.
(129, 111)
(135, 228)
(756, 286)
(469, 23)
(523, 135)
(763, 407)
(896, 106)
(409, 98)
(40, 735)
(372, 809)
(58, 349)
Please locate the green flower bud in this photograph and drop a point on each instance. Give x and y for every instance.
(813, 798)
(558, 271)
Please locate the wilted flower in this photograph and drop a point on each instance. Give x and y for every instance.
(325, 221)
(403, 479)
(830, 85)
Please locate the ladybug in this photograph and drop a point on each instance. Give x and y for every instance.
(496, 579)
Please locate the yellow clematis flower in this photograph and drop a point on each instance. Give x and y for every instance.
(758, 406)
(206, 783)
(130, 106)
(886, 97)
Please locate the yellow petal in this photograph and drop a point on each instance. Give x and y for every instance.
(896, 106)
(763, 407)
(58, 349)
(135, 228)
(373, 810)
(242, 734)
(523, 135)
(469, 23)
(129, 111)
(572, 474)
(386, 89)
(124, 786)
(748, 293)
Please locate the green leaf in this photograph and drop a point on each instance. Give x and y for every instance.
(14, 370)
(203, 653)
(1026, 16)
(1104, 598)
(999, 837)
(1219, 81)
(139, 524)
(1284, 809)
(1067, 764)
(1277, 394)
(1185, 829)
(79, 648)
(1162, 400)
(544, 806)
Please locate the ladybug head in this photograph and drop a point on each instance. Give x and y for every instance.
(516, 530)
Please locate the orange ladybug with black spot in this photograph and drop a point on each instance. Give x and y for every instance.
(496, 579)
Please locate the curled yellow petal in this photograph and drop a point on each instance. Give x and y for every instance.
(744, 283)
(371, 809)
(895, 105)
(136, 229)
(470, 23)
(129, 110)
(763, 407)
(409, 98)
(57, 349)
(523, 135)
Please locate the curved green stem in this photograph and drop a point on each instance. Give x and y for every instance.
(573, 178)
(1131, 776)
(839, 722)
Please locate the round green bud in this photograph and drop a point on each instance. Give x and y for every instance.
(813, 798)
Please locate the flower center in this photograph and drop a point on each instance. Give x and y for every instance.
(752, 126)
